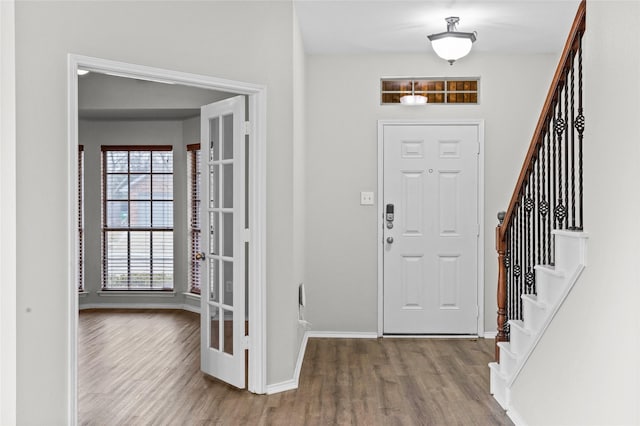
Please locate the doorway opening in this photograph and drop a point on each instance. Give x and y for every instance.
(255, 248)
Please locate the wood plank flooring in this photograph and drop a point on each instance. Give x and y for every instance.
(143, 368)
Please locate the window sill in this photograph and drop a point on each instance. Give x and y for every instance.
(83, 293)
(192, 296)
(143, 293)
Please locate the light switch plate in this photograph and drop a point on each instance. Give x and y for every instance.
(366, 198)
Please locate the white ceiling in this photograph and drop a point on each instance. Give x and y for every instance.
(384, 26)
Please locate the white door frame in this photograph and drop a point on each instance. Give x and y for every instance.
(8, 190)
(257, 97)
(380, 212)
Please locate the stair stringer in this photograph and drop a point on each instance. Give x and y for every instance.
(570, 262)
(538, 336)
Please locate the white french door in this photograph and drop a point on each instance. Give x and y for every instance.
(430, 229)
(222, 331)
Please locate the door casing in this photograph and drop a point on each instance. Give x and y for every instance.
(380, 210)
(257, 105)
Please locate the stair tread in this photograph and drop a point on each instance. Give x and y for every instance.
(550, 269)
(534, 299)
(496, 369)
(505, 347)
(519, 324)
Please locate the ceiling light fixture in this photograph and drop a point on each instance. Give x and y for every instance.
(413, 99)
(82, 72)
(452, 45)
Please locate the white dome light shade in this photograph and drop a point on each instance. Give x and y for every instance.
(413, 100)
(452, 48)
(452, 45)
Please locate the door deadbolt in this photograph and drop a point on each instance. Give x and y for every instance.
(389, 240)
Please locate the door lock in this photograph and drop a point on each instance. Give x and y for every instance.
(200, 256)
(389, 215)
(389, 240)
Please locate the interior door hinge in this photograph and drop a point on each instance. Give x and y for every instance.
(245, 342)
(246, 235)
(247, 127)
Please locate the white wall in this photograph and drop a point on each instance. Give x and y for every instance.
(94, 134)
(585, 371)
(102, 91)
(343, 106)
(299, 165)
(210, 38)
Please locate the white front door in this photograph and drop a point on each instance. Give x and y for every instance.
(430, 238)
(222, 314)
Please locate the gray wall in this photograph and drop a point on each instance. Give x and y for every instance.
(343, 106)
(208, 38)
(585, 370)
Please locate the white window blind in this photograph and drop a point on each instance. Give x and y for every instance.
(137, 217)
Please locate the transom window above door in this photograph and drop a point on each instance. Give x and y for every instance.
(137, 217)
(437, 90)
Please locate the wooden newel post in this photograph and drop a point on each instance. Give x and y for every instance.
(501, 245)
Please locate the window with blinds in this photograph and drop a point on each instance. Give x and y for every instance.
(80, 217)
(137, 217)
(193, 170)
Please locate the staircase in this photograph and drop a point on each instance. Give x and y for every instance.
(554, 283)
(539, 239)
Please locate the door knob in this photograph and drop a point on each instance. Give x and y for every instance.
(200, 256)
(389, 240)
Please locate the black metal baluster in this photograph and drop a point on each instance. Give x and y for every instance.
(543, 207)
(573, 142)
(566, 148)
(518, 269)
(560, 210)
(555, 166)
(537, 211)
(530, 236)
(580, 128)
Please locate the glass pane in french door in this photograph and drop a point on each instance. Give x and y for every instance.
(220, 217)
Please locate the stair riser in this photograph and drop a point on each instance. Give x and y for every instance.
(549, 287)
(498, 388)
(569, 252)
(519, 341)
(533, 315)
(507, 364)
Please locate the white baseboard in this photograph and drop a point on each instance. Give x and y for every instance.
(191, 308)
(131, 306)
(293, 383)
(515, 417)
(282, 387)
(343, 334)
(490, 334)
(180, 306)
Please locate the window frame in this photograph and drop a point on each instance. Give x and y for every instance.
(445, 92)
(106, 229)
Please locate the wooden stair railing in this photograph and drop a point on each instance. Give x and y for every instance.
(549, 191)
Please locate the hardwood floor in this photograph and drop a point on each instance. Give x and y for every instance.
(143, 367)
